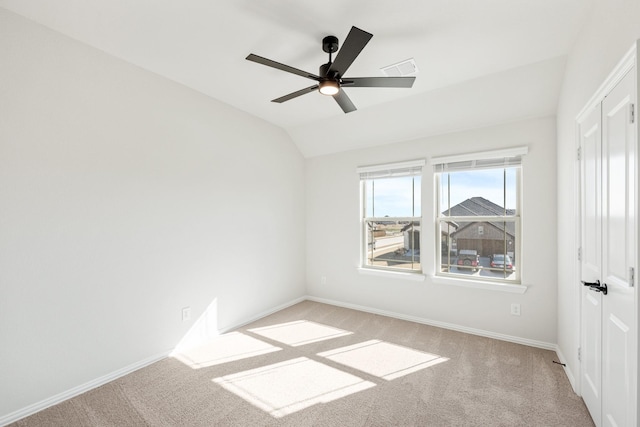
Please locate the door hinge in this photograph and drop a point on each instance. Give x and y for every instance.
(632, 276)
(579, 254)
(633, 113)
(579, 153)
(579, 355)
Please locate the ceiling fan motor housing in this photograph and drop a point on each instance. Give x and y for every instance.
(324, 72)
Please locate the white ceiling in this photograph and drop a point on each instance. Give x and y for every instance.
(481, 62)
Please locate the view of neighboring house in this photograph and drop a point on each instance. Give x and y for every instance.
(411, 233)
(486, 238)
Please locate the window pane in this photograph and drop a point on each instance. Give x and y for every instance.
(393, 197)
(444, 194)
(368, 201)
(393, 243)
(490, 191)
(482, 249)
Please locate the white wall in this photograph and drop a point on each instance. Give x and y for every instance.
(607, 36)
(123, 198)
(333, 235)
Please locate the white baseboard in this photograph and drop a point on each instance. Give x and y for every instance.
(567, 371)
(75, 391)
(83, 388)
(518, 340)
(262, 314)
(454, 327)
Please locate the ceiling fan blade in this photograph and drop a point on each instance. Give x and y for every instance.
(356, 40)
(295, 94)
(344, 101)
(279, 66)
(378, 82)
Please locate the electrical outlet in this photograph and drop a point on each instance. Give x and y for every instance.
(186, 314)
(515, 309)
(323, 280)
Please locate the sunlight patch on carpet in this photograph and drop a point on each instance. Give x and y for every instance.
(382, 359)
(300, 332)
(287, 387)
(222, 349)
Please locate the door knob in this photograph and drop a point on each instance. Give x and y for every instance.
(596, 286)
(596, 283)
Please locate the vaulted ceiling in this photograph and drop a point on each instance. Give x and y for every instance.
(480, 62)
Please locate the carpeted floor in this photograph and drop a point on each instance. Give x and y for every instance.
(318, 365)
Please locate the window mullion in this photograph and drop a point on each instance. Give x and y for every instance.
(413, 196)
(487, 218)
(373, 198)
(449, 193)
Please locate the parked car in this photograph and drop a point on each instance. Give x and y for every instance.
(502, 262)
(468, 258)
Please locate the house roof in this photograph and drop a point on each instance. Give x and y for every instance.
(479, 206)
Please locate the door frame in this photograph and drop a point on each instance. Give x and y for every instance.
(623, 67)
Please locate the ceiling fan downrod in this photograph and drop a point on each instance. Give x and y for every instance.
(329, 45)
(330, 84)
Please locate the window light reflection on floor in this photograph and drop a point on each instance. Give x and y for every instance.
(225, 348)
(287, 387)
(382, 359)
(300, 332)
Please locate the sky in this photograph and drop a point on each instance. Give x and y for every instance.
(394, 196)
(487, 183)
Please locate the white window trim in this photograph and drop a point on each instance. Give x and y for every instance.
(479, 284)
(451, 278)
(391, 166)
(483, 155)
(447, 281)
(380, 169)
(392, 274)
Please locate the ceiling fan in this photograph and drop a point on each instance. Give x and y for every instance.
(331, 78)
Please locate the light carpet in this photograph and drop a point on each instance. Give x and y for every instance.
(314, 364)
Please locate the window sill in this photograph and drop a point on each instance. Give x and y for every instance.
(477, 284)
(416, 277)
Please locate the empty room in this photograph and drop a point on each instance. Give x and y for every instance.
(281, 213)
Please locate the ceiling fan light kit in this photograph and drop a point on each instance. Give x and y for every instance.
(329, 87)
(331, 75)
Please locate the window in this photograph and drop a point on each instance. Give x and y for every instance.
(391, 216)
(479, 211)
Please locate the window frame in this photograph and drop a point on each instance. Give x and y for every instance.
(381, 171)
(496, 159)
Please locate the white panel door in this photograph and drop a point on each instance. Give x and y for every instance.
(618, 254)
(591, 259)
(608, 178)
